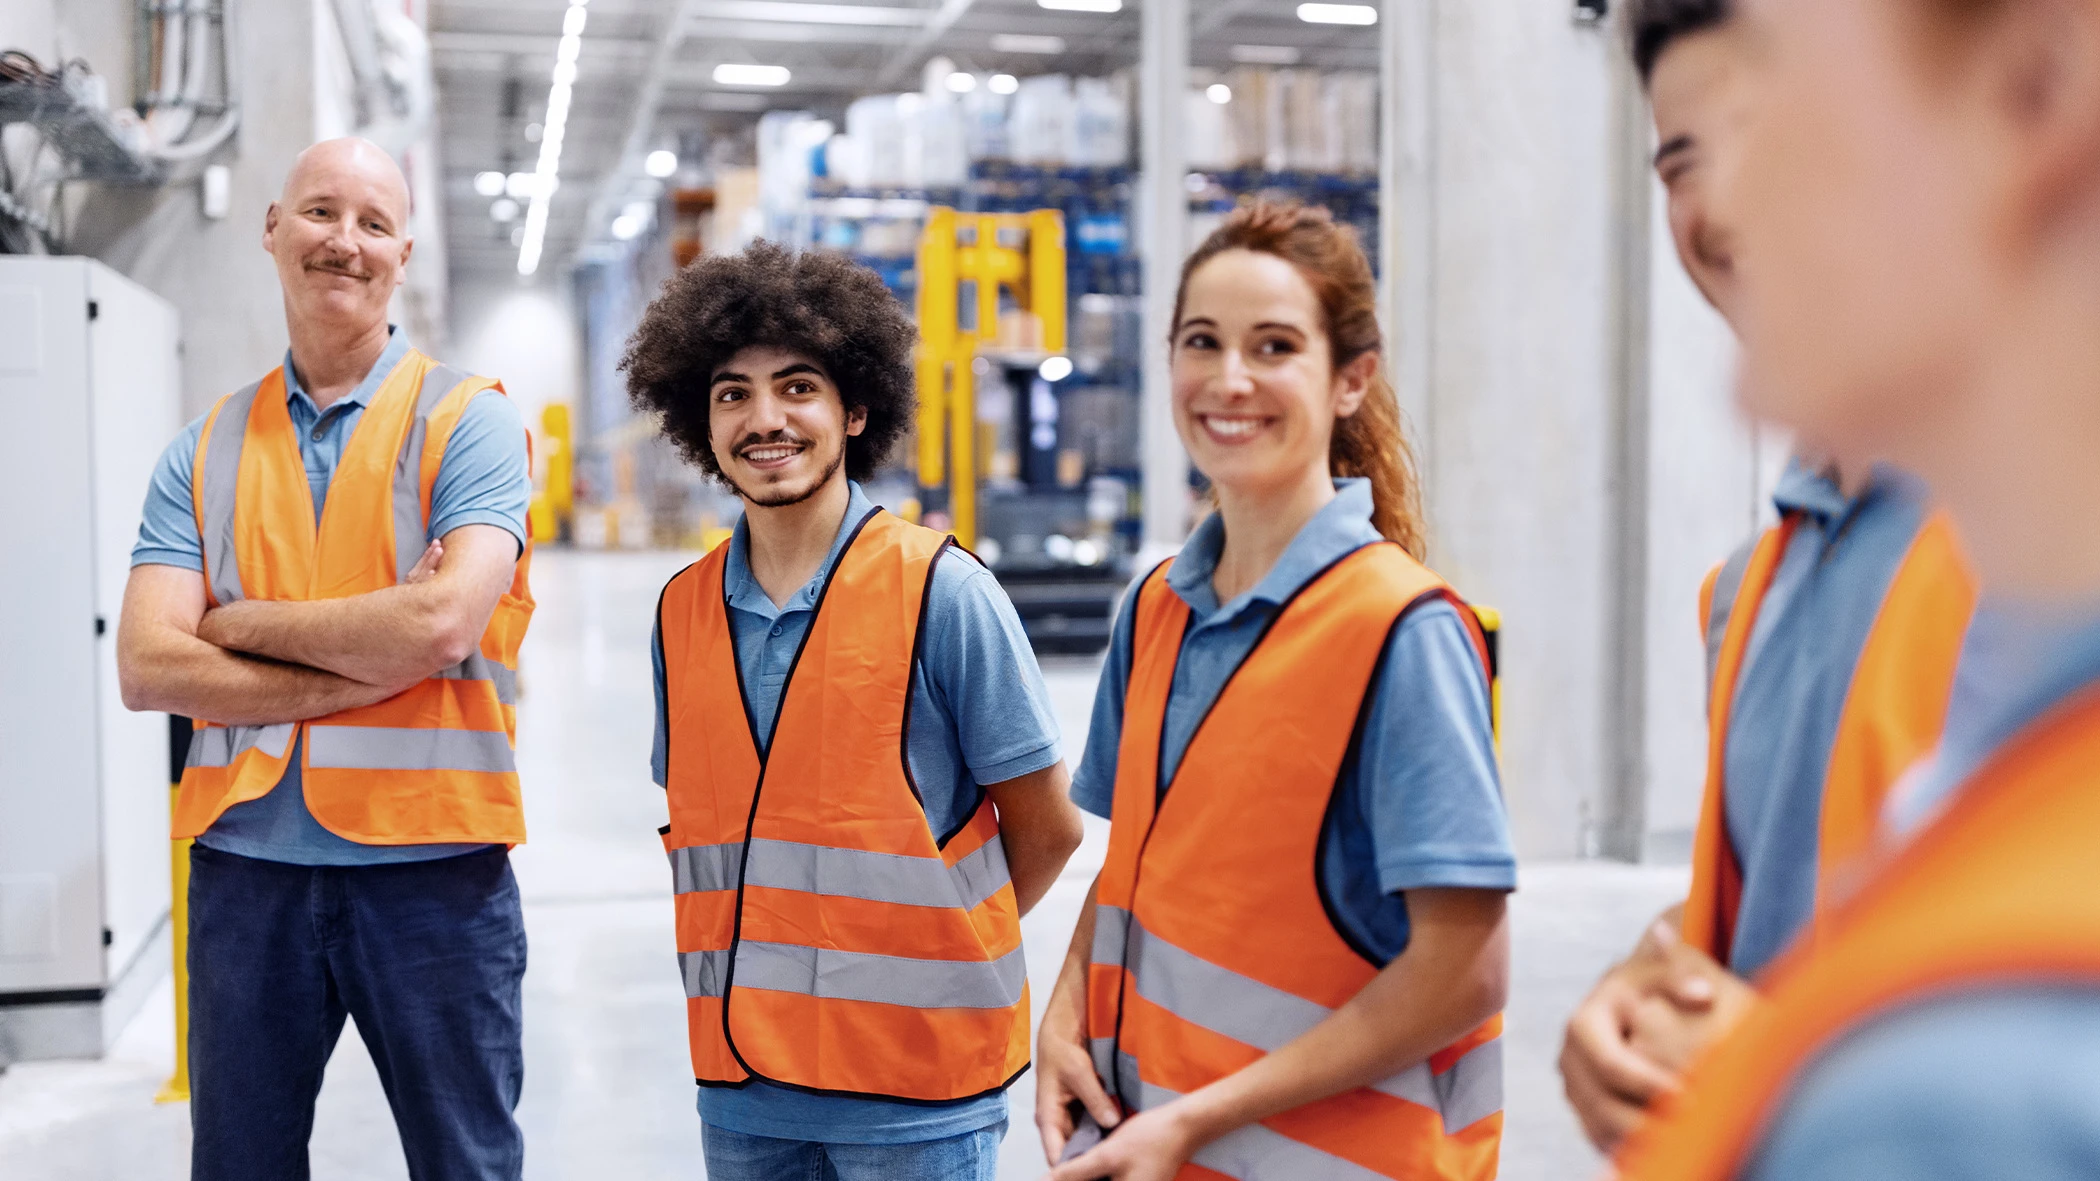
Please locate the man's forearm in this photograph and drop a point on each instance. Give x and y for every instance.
(183, 675)
(388, 636)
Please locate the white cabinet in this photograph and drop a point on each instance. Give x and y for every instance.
(89, 396)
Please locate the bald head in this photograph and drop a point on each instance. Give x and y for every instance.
(339, 233)
(354, 158)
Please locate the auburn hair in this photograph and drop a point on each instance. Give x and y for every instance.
(1370, 443)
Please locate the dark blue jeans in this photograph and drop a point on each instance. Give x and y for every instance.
(428, 956)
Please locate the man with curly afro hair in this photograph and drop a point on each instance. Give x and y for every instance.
(855, 743)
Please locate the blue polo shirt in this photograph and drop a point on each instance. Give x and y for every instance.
(980, 714)
(1422, 806)
(1997, 1082)
(484, 478)
(1804, 648)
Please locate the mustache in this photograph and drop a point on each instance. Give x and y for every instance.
(769, 439)
(337, 269)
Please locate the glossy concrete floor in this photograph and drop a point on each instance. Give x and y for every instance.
(607, 1088)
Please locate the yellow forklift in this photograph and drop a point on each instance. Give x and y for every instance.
(992, 355)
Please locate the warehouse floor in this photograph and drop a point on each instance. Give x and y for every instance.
(607, 1087)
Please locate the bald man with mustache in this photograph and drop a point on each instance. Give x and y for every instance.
(350, 784)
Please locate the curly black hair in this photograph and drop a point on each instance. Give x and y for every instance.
(819, 304)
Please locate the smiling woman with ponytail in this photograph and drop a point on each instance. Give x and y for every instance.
(1294, 692)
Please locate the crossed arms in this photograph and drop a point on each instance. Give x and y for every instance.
(262, 663)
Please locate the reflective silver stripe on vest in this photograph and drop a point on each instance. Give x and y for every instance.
(1471, 1090)
(698, 869)
(1267, 1018)
(411, 531)
(217, 489)
(480, 668)
(387, 748)
(845, 873)
(878, 877)
(1727, 585)
(1254, 1152)
(218, 746)
(705, 972)
(884, 979)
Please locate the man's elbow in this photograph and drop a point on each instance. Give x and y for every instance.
(139, 683)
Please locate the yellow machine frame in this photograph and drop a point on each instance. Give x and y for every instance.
(948, 434)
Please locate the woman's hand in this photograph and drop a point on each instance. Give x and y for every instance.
(1065, 1071)
(1150, 1146)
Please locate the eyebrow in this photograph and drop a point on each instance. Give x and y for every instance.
(725, 375)
(797, 367)
(1675, 147)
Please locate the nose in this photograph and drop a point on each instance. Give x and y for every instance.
(766, 414)
(1234, 374)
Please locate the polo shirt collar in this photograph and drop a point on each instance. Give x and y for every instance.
(743, 591)
(1813, 491)
(390, 356)
(1342, 526)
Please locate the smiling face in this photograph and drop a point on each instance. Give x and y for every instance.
(339, 234)
(1256, 393)
(1698, 110)
(778, 425)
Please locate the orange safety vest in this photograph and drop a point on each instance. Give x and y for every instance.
(431, 765)
(830, 940)
(1893, 712)
(1214, 943)
(2002, 890)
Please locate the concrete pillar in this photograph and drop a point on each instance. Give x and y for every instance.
(1162, 84)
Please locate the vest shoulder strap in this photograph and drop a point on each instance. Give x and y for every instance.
(1724, 583)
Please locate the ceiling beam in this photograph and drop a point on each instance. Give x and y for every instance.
(915, 49)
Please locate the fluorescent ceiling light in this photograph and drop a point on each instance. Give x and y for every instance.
(1218, 93)
(488, 184)
(1265, 55)
(661, 163)
(1082, 5)
(1338, 14)
(742, 74)
(1003, 84)
(546, 174)
(962, 83)
(1027, 43)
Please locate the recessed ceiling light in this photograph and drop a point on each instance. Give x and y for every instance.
(488, 184)
(504, 210)
(1338, 14)
(1265, 55)
(962, 83)
(1082, 5)
(625, 227)
(661, 163)
(743, 74)
(1003, 84)
(1218, 93)
(1027, 43)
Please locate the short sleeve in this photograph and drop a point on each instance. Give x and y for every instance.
(1987, 1085)
(168, 525)
(983, 671)
(486, 475)
(660, 749)
(1094, 785)
(1426, 772)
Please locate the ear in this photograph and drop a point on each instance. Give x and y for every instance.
(2045, 73)
(270, 217)
(408, 247)
(856, 420)
(1352, 383)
